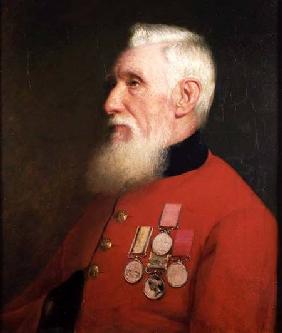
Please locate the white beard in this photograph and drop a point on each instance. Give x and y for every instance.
(118, 167)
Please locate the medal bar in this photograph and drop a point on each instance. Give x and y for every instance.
(134, 269)
(140, 242)
(157, 262)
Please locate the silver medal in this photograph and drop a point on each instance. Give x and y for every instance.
(133, 271)
(154, 287)
(177, 274)
(162, 244)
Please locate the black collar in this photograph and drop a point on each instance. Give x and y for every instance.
(187, 155)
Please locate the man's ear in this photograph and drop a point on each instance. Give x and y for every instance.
(189, 93)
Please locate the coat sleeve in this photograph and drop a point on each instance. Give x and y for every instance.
(235, 286)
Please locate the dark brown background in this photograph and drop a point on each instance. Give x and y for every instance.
(54, 58)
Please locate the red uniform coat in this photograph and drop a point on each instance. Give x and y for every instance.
(232, 276)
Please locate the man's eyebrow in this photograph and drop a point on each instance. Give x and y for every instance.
(132, 74)
(112, 76)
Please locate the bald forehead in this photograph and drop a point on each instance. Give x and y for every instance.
(143, 60)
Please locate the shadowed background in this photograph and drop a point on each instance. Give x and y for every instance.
(54, 60)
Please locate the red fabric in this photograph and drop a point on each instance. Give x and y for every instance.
(232, 271)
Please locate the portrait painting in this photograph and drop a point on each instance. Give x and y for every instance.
(58, 60)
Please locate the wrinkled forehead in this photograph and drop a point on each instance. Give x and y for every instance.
(149, 59)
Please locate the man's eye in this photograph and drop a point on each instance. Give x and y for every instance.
(133, 83)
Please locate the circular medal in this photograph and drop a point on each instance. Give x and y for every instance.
(162, 243)
(177, 274)
(133, 271)
(154, 287)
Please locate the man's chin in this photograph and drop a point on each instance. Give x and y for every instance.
(116, 140)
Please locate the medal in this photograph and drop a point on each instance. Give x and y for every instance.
(154, 287)
(177, 274)
(168, 255)
(134, 270)
(162, 243)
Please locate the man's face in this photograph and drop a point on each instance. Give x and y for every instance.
(139, 102)
(141, 114)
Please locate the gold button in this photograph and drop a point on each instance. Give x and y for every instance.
(105, 244)
(121, 216)
(93, 271)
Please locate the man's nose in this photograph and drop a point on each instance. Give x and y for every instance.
(114, 101)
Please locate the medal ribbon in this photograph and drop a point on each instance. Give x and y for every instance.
(183, 243)
(169, 218)
(141, 240)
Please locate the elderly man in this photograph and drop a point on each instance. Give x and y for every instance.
(174, 241)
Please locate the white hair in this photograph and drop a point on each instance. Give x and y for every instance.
(187, 53)
(121, 166)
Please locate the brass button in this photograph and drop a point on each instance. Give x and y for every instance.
(105, 244)
(93, 271)
(121, 216)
